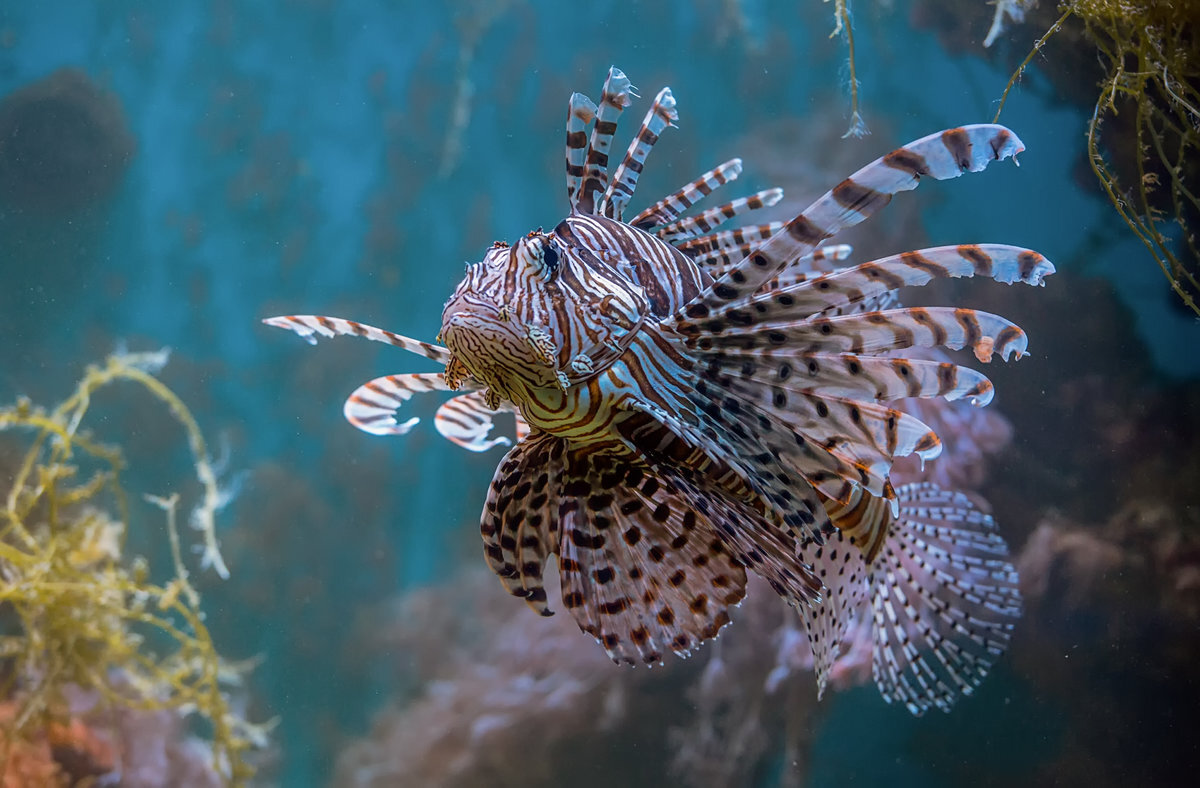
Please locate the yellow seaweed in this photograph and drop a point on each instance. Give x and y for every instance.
(1150, 53)
(76, 611)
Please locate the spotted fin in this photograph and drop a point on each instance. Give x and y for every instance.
(520, 517)
(624, 180)
(864, 436)
(944, 155)
(311, 326)
(643, 571)
(843, 570)
(752, 444)
(762, 511)
(794, 448)
(669, 208)
(944, 600)
(373, 405)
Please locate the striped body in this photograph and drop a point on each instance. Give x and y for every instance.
(695, 403)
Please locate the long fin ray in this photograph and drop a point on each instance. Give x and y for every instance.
(849, 286)
(466, 420)
(857, 377)
(613, 100)
(873, 333)
(669, 208)
(624, 180)
(580, 112)
(708, 220)
(309, 327)
(944, 155)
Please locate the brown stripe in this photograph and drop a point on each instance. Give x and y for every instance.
(856, 197)
(977, 258)
(576, 140)
(922, 263)
(999, 141)
(803, 230)
(958, 142)
(1028, 261)
(924, 318)
(947, 377)
(928, 441)
(879, 274)
(907, 161)
(1006, 337)
(966, 318)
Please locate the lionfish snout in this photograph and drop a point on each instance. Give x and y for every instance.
(500, 350)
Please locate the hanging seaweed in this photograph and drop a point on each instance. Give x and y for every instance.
(1143, 138)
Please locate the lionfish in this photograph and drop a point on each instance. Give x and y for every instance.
(693, 404)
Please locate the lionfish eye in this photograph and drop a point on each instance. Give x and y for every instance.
(550, 257)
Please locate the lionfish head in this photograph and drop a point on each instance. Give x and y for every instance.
(540, 314)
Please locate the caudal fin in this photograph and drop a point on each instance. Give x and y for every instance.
(944, 598)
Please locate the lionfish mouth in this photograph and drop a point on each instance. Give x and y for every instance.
(499, 351)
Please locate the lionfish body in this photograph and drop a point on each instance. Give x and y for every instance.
(693, 404)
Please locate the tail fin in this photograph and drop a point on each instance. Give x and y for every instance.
(937, 583)
(944, 597)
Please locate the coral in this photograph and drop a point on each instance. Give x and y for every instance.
(81, 616)
(154, 746)
(1109, 643)
(64, 144)
(500, 696)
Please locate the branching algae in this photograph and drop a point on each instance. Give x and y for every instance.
(1151, 58)
(75, 611)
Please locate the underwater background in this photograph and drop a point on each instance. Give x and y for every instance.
(199, 166)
